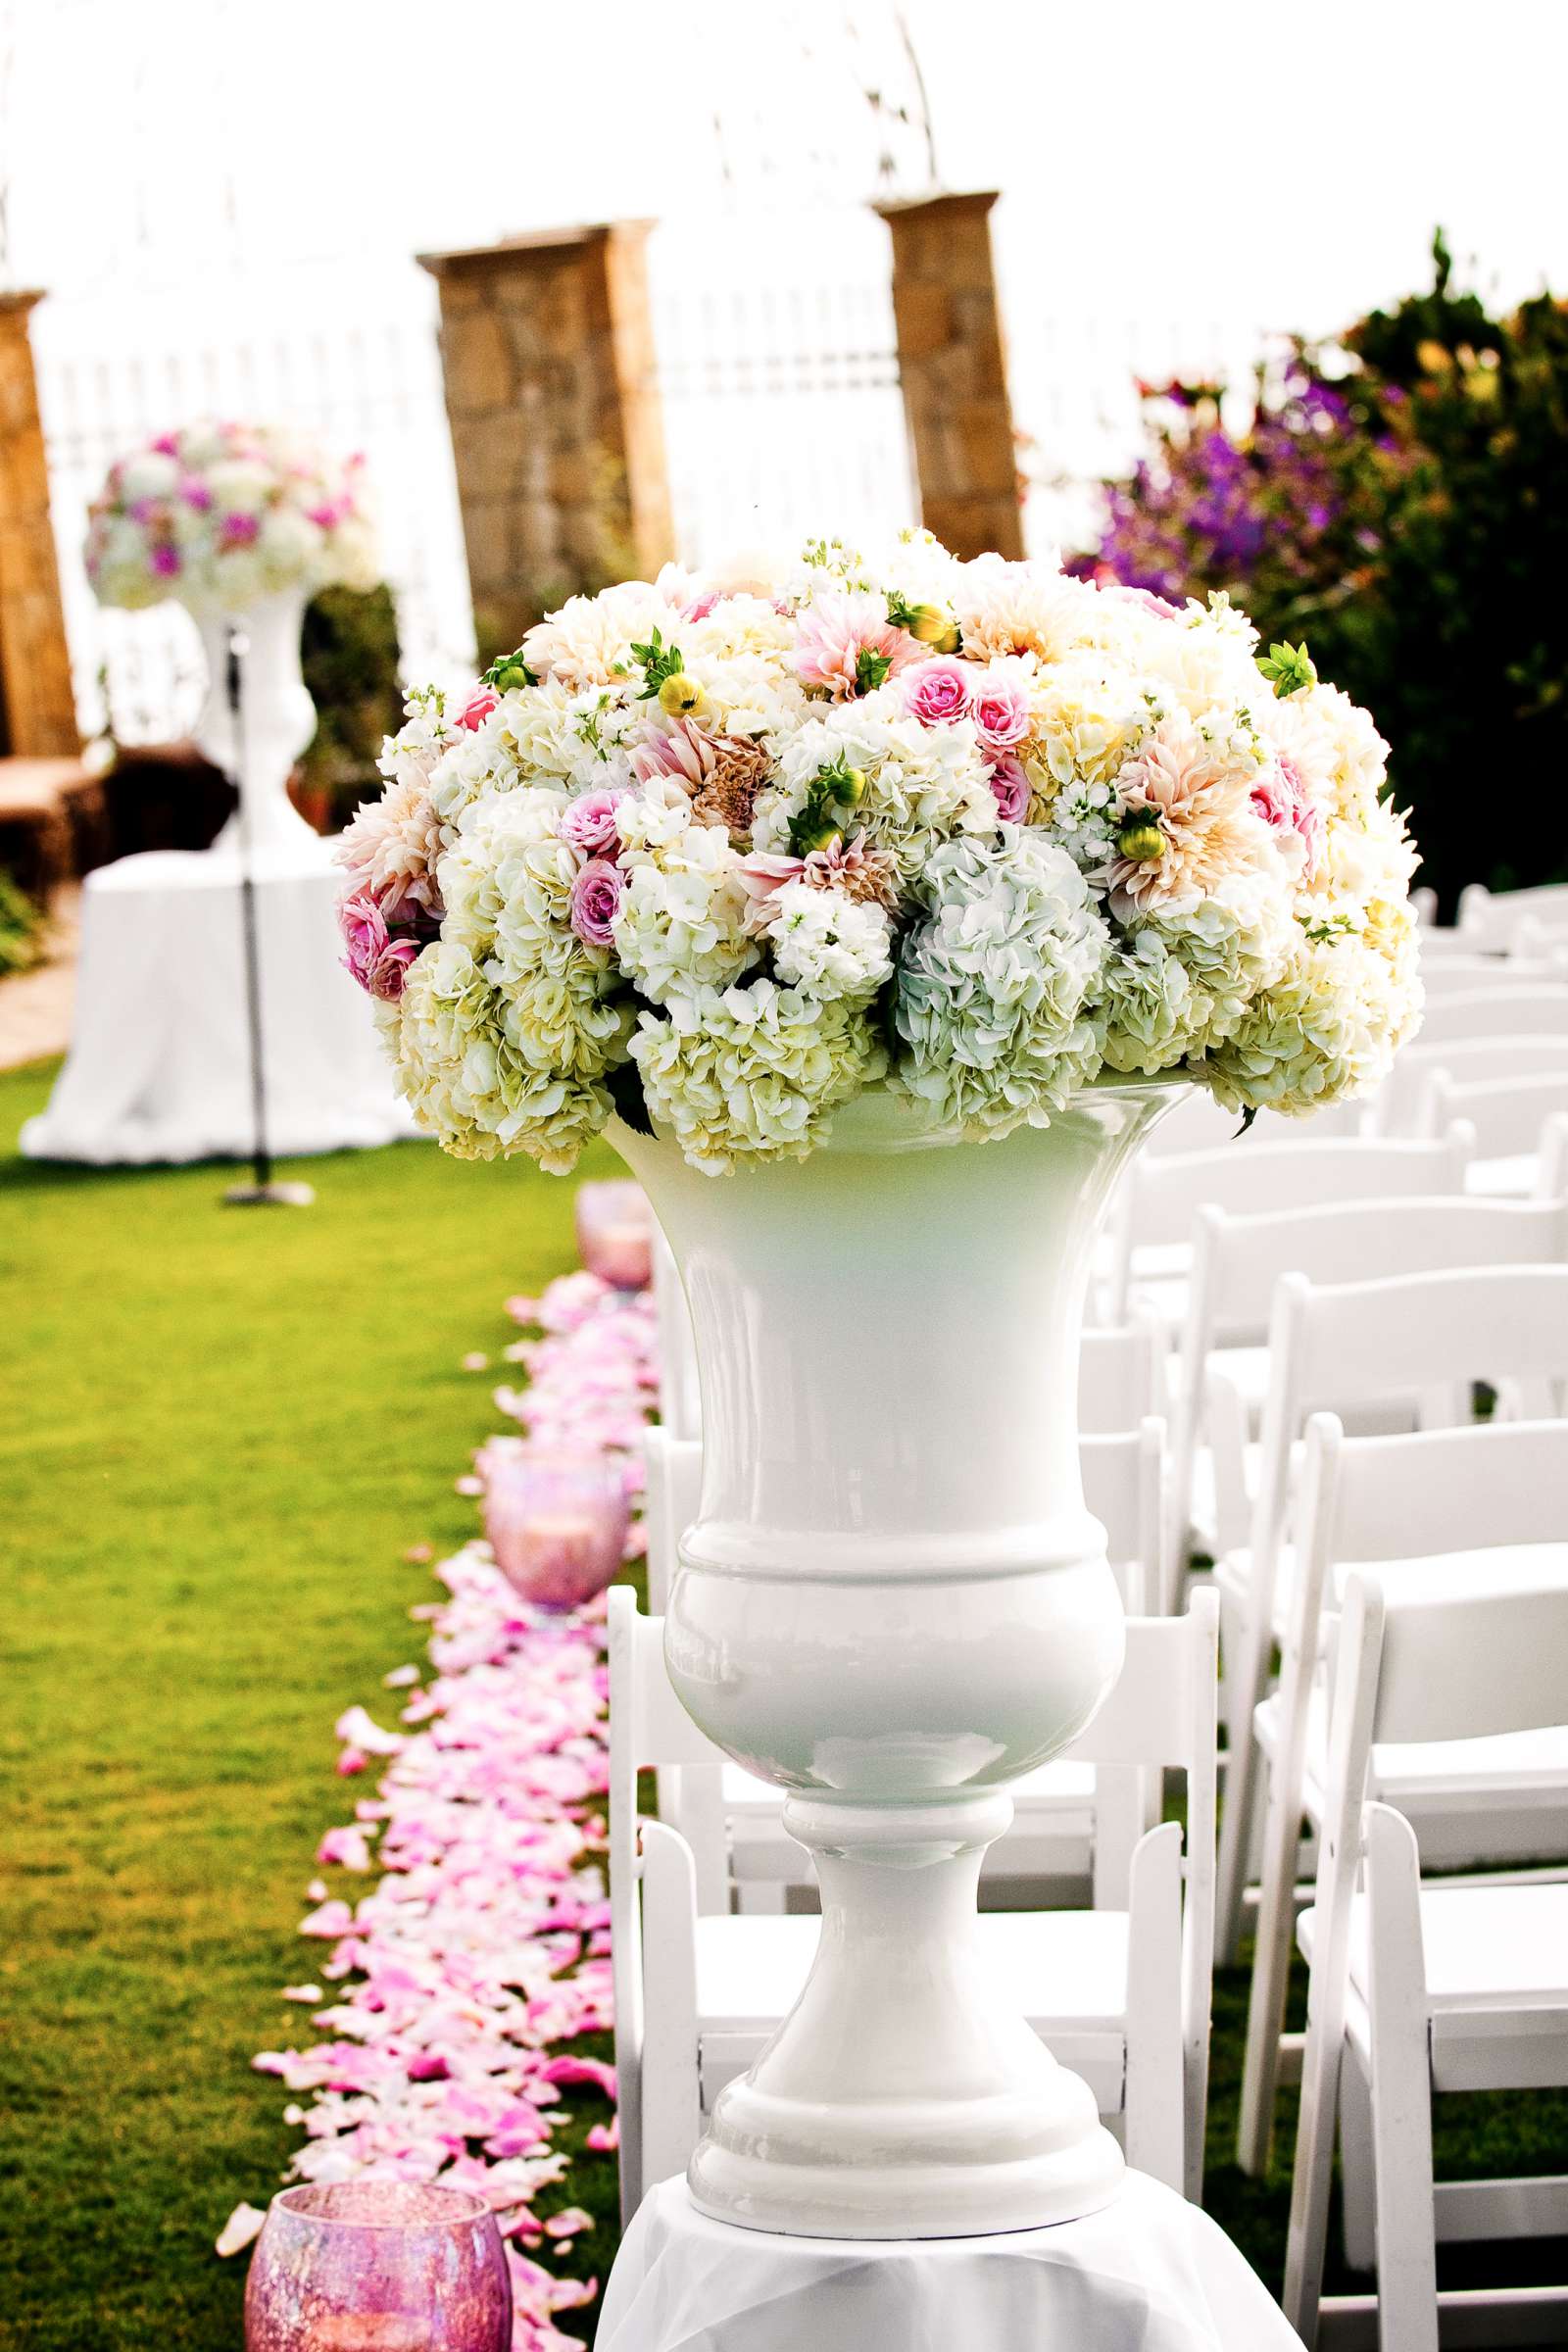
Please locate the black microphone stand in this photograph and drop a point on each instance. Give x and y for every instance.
(264, 1191)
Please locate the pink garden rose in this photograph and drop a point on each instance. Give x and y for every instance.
(1282, 800)
(239, 530)
(589, 824)
(940, 690)
(1000, 710)
(164, 560)
(377, 961)
(477, 708)
(1012, 789)
(596, 898)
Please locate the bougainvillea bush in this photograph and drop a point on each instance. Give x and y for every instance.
(1397, 502)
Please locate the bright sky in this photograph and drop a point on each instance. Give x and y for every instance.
(1282, 164)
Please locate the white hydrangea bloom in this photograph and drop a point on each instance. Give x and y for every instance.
(1230, 945)
(503, 830)
(1153, 1016)
(474, 767)
(994, 989)
(827, 943)
(754, 1072)
(1087, 719)
(465, 1079)
(923, 785)
(1327, 1028)
(682, 922)
(1358, 757)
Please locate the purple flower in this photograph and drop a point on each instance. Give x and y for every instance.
(1012, 789)
(164, 560)
(596, 898)
(589, 824)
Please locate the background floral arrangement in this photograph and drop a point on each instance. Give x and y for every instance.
(719, 852)
(220, 514)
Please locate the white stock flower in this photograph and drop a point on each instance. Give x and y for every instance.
(826, 944)
(588, 641)
(752, 1073)
(995, 987)
(681, 923)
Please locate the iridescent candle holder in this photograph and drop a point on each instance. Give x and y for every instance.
(379, 2266)
(557, 1524)
(616, 1234)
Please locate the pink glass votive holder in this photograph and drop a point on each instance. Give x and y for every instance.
(616, 1234)
(379, 2266)
(557, 1526)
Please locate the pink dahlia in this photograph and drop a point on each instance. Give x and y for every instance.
(1183, 794)
(848, 644)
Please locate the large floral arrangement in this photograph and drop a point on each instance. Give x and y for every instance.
(220, 515)
(719, 852)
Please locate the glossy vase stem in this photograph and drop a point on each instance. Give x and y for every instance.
(279, 718)
(893, 1604)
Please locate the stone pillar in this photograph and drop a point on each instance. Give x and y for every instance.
(556, 430)
(954, 373)
(37, 706)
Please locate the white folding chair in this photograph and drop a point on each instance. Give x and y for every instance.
(1398, 1107)
(1497, 1010)
(1462, 974)
(1121, 1996)
(1493, 920)
(1417, 1344)
(1151, 1219)
(1236, 1263)
(1507, 1115)
(1417, 1991)
(1552, 1165)
(1072, 1826)
(1455, 1511)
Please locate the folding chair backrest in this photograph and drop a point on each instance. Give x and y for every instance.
(1435, 1491)
(1492, 919)
(1407, 1334)
(1162, 1708)
(1472, 1666)
(1402, 1107)
(1462, 974)
(1237, 1260)
(1507, 1113)
(1508, 1009)
(1252, 1177)
(1120, 1375)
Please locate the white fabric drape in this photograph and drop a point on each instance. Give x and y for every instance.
(1149, 2273)
(159, 1059)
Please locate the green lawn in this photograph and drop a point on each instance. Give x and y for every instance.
(223, 1429)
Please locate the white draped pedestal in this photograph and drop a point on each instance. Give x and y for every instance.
(160, 1058)
(1146, 2274)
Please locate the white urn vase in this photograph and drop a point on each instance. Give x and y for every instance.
(893, 1604)
(277, 719)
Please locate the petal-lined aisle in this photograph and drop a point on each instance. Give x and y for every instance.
(469, 1976)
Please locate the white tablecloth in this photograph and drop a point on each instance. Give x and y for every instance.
(159, 1059)
(1151, 2274)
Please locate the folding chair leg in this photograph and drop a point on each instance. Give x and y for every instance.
(1271, 1966)
(1314, 2176)
(1245, 1679)
(1357, 2173)
(1402, 2089)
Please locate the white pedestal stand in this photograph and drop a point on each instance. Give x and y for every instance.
(893, 1602)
